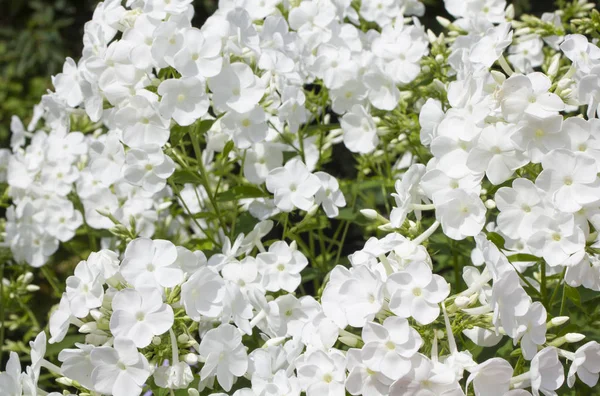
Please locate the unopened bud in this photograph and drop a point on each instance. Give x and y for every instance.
(88, 327)
(574, 337)
(462, 301)
(352, 342)
(156, 340)
(193, 392)
(510, 12)
(369, 213)
(443, 21)
(32, 288)
(554, 64)
(559, 320)
(431, 36)
(65, 381)
(191, 359)
(490, 204)
(27, 278)
(183, 338)
(96, 314)
(312, 211)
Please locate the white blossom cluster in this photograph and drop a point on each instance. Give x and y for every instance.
(511, 165)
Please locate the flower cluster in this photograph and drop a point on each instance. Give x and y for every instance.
(222, 168)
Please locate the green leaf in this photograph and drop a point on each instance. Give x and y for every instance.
(241, 192)
(522, 257)
(177, 133)
(496, 239)
(205, 215)
(200, 128)
(227, 149)
(186, 176)
(346, 214)
(573, 295)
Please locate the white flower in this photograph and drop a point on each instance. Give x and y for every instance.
(199, 55)
(361, 379)
(281, 266)
(570, 179)
(520, 206)
(142, 123)
(151, 263)
(329, 195)
(84, 290)
(426, 377)
(120, 370)
(531, 330)
(495, 154)
(77, 364)
(586, 365)
(360, 132)
(416, 292)
(528, 94)
(139, 315)
(178, 376)
(293, 186)
(461, 215)
(352, 297)
(184, 99)
(491, 378)
(148, 167)
(225, 355)
(547, 373)
(322, 374)
(236, 88)
(247, 128)
(203, 294)
(490, 47)
(389, 347)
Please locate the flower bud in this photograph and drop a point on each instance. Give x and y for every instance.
(554, 64)
(443, 21)
(183, 338)
(191, 359)
(352, 342)
(156, 340)
(369, 213)
(574, 337)
(88, 327)
(510, 12)
(462, 301)
(193, 392)
(96, 314)
(490, 204)
(431, 36)
(27, 278)
(65, 381)
(32, 288)
(559, 320)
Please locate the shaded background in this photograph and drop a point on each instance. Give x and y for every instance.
(37, 35)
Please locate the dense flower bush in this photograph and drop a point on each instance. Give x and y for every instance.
(215, 173)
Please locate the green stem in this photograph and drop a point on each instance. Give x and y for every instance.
(31, 315)
(51, 280)
(543, 288)
(187, 209)
(2, 309)
(205, 181)
(563, 300)
(555, 292)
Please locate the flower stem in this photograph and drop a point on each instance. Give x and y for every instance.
(423, 207)
(505, 66)
(174, 348)
(427, 233)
